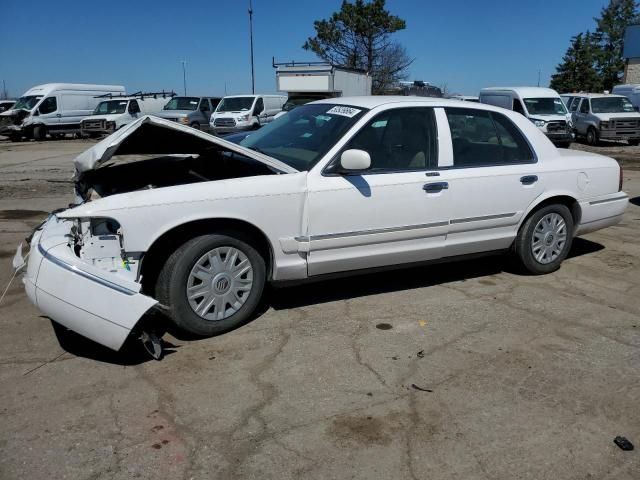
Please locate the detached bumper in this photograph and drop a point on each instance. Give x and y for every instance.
(83, 298)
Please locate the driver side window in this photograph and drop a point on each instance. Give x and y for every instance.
(259, 108)
(584, 106)
(48, 105)
(402, 139)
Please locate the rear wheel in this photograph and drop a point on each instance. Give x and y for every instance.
(545, 239)
(212, 283)
(592, 136)
(39, 132)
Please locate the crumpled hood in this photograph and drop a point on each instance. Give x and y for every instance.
(151, 135)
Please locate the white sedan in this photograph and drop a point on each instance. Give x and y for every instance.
(172, 216)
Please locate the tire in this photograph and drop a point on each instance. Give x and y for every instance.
(180, 272)
(195, 125)
(552, 241)
(592, 137)
(564, 145)
(634, 143)
(39, 132)
(255, 126)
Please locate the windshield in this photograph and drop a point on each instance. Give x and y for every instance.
(110, 107)
(545, 106)
(235, 104)
(611, 105)
(27, 102)
(182, 103)
(301, 137)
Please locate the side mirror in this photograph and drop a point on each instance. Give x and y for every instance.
(354, 160)
(36, 112)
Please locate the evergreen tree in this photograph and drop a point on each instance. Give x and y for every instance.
(613, 21)
(359, 36)
(577, 73)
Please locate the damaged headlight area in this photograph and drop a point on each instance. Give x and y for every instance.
(100, 242)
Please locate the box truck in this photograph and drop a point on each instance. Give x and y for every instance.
(305, 82)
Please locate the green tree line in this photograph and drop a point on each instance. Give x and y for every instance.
(593, 62)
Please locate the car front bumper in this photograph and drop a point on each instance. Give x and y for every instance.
(88, 300)
(619, 135)
(560, 137)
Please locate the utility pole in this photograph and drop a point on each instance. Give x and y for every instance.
(184, 76)
(538, 77)
(253, 80)
(4, 90)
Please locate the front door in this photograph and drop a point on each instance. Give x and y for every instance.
(49, 112)
(395, 212)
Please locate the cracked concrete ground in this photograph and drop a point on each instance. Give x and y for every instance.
(483, 374)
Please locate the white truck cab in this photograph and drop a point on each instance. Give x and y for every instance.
(116, 111)
(236, 113)
(53, 108)
(543, 106)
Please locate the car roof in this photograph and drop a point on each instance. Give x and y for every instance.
(373, 101)
(597, 95)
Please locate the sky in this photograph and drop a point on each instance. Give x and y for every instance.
(464, 44)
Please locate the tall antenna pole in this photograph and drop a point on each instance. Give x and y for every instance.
(538, 77)
(184, 76)
(253, 80)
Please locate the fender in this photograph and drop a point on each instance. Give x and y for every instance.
(546, 196)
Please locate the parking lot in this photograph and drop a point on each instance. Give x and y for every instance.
(465, 370)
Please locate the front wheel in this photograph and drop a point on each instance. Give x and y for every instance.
(592, 136)
(212, 284)
(634, 142)
(39, 132)
(195, 125)
(545, 239)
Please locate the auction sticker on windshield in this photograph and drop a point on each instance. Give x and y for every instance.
(344, 111)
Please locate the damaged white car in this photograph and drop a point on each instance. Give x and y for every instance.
(171, 215)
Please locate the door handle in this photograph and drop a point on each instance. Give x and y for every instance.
(528, 179)
(435, 187)
(58, 115)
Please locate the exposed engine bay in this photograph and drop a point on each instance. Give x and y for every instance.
(131, 174)
(155, 153)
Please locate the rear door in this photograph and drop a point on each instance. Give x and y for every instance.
(492, 180)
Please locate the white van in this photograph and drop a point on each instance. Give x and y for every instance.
(116, 111)
(631, 91)
(245, 112)
(53, 108)
(543, 106)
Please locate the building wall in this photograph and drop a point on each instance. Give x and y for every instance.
(632, 71)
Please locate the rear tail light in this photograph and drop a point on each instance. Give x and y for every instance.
(620, 180)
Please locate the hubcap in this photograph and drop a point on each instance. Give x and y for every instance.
(219, 283)
(549, 238)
